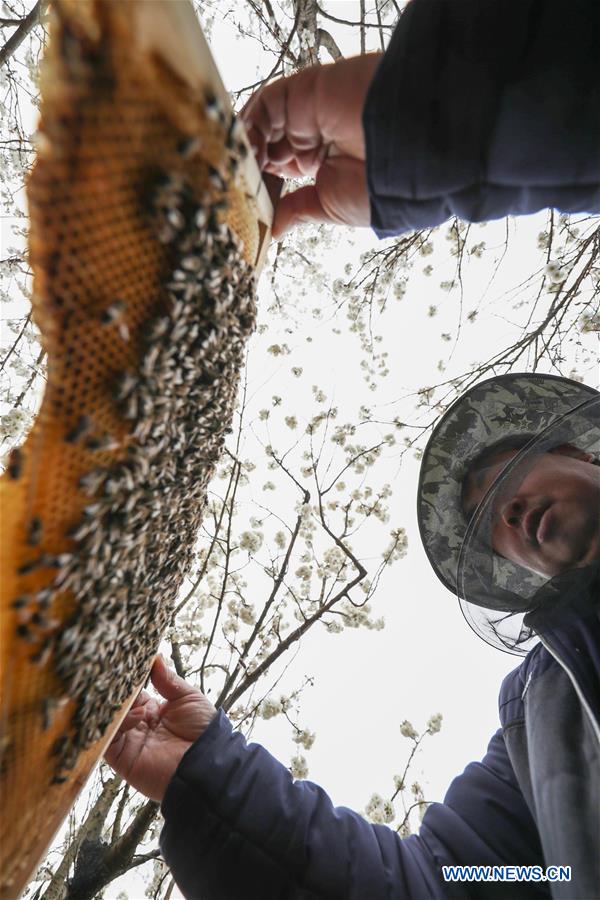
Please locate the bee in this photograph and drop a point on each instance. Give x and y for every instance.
(216, 179)
(38, 619)
(127, 477)
(212, 106)
(15, 463)
(191, 263)
(123, 329)
(103, 442)
(41, 656)
(176, 219)
(111, 487)
(131, 501)
(34, 532)
(233, 133)
(48, 707)
(112, 312)
(109, 442)
(165, 234)
(60, 745)
(92, 510)
(91, 482)
(81, 427)
(79, 532)
(130, 411)
(188, 147)
(23, 631)
(220, 205)
(177, 309)
(200, 217)
(44, 597)
(60, 560)
(150, 359)
(30, 566)
(158, 328)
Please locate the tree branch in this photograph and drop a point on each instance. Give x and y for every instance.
(362, 27)
(284, 50)
(116, 828)
(140, 858)
(176, 657)
(19, 35)
(16, 343)
(331, 18)
(225, 576)
(259, 623)
(124, 848)
(298, 632)
(56, 889)
(32, 377)
(324, 39)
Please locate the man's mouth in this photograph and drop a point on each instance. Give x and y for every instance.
(535, 524)
(543, 526)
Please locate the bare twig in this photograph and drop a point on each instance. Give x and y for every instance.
(284, 50)
(324, 39)
(260, 621)
(176, 657)
(32, 377)
(16, 343)
(331, 18)
(116, 828)
(225, 576)
(362, 27)
(19, 35)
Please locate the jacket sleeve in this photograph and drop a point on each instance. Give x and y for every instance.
(485, 108)
(237, 827)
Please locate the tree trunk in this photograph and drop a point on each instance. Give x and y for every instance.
(306, 17)
(98, 862)
(57, 887)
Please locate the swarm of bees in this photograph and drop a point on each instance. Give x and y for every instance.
(135, 540)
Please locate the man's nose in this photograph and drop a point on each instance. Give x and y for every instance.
(512, 512)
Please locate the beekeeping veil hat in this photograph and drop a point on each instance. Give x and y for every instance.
(500, 600)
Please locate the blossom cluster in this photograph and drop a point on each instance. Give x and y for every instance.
(379, 811)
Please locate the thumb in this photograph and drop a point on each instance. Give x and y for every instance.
(167, 682)
(339, 195)
(300, 206)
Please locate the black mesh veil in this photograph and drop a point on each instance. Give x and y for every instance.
(501, 600)
(530, 414)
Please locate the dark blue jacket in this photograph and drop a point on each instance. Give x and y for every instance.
(484, 108)
(237, 827)
(480, 108)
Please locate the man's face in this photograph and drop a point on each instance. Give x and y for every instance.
(549, 520)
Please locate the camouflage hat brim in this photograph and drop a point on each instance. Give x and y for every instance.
(515, 405)
(495, 593)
